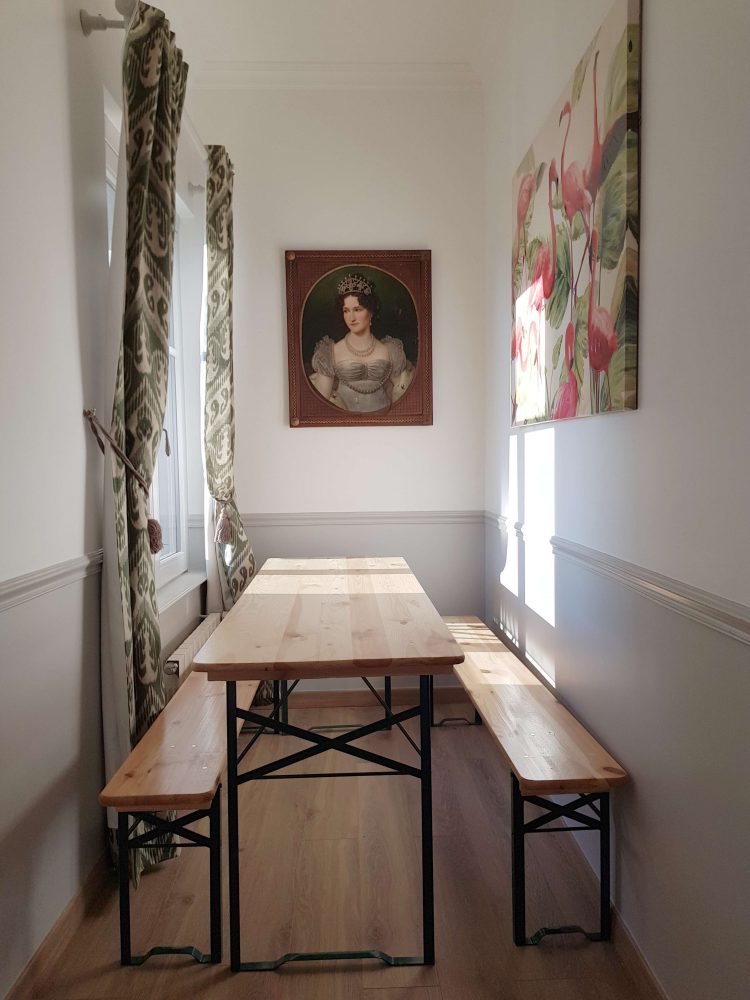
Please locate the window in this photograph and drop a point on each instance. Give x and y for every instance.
(112, 127)
(168, 493)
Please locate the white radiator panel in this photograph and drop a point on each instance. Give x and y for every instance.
(179, 663)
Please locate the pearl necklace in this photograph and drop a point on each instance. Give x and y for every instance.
(361, 353)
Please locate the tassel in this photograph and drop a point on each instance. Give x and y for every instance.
(223, 533)
(154, 536)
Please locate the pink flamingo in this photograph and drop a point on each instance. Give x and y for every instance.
(543, 279)
(525, 193)
(602, 335)
(575, 195)
(566, 401)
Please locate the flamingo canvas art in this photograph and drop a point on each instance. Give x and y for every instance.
(574, 262)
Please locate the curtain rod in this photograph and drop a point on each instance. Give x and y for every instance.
(97, 22)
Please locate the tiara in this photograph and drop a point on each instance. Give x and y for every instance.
(354, 283)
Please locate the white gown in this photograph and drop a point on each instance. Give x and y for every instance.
(360, 386)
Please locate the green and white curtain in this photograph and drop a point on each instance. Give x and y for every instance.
(234, 563)
(154, 79)
(234, 552)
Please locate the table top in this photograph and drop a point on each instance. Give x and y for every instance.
(348, 617)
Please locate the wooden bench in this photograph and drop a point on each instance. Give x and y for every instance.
(176, 766)
(548, 752)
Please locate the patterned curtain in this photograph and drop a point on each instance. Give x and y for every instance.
(154, 79)
(233, 549)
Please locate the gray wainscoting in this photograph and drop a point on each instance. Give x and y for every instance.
(445, 549)
(658, 671)
(51, 825)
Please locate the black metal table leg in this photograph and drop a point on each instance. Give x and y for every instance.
(124, 881)
(604, 870)
(285, 701)
(233, 831)
(518, 871)
(215, 889)
(428, 914)
(387, 698)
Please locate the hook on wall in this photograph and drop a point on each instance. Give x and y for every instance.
(97, 22)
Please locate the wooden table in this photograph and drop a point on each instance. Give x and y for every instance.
(309, 618)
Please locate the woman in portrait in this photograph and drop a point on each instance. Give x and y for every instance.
(360, 372)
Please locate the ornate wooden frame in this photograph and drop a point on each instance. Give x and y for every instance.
(404, 280)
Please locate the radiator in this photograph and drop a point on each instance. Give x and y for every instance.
(179, 663)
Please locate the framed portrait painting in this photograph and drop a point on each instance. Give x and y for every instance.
(576, 240)
(359, 337)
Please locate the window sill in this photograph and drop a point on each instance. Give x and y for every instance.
(178, 588)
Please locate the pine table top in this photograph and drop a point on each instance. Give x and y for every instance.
(345, 617)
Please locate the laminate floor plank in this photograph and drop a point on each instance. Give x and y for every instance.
(335, 865)
(391, 881)
(403, 993)
(573, 989)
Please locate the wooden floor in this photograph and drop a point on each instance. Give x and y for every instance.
(335, 866)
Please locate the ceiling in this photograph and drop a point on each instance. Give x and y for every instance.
(240, 35)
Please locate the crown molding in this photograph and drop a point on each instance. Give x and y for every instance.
(336, 518)
(24, 588)
(246, 75)
(708, 609)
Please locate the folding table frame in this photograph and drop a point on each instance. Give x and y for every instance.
(278, 723)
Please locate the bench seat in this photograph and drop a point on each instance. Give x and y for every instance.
(178, 762)
(545, 746)
(549, 753)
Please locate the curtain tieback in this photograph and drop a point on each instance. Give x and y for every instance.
(154, 528)
(223, 533)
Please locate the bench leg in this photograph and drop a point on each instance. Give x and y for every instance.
(598, 803)
(179, 827)
(458, 720)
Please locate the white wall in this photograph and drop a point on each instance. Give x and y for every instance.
(665, 488)
(350, 168)
(660, 487)
(53, 276)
